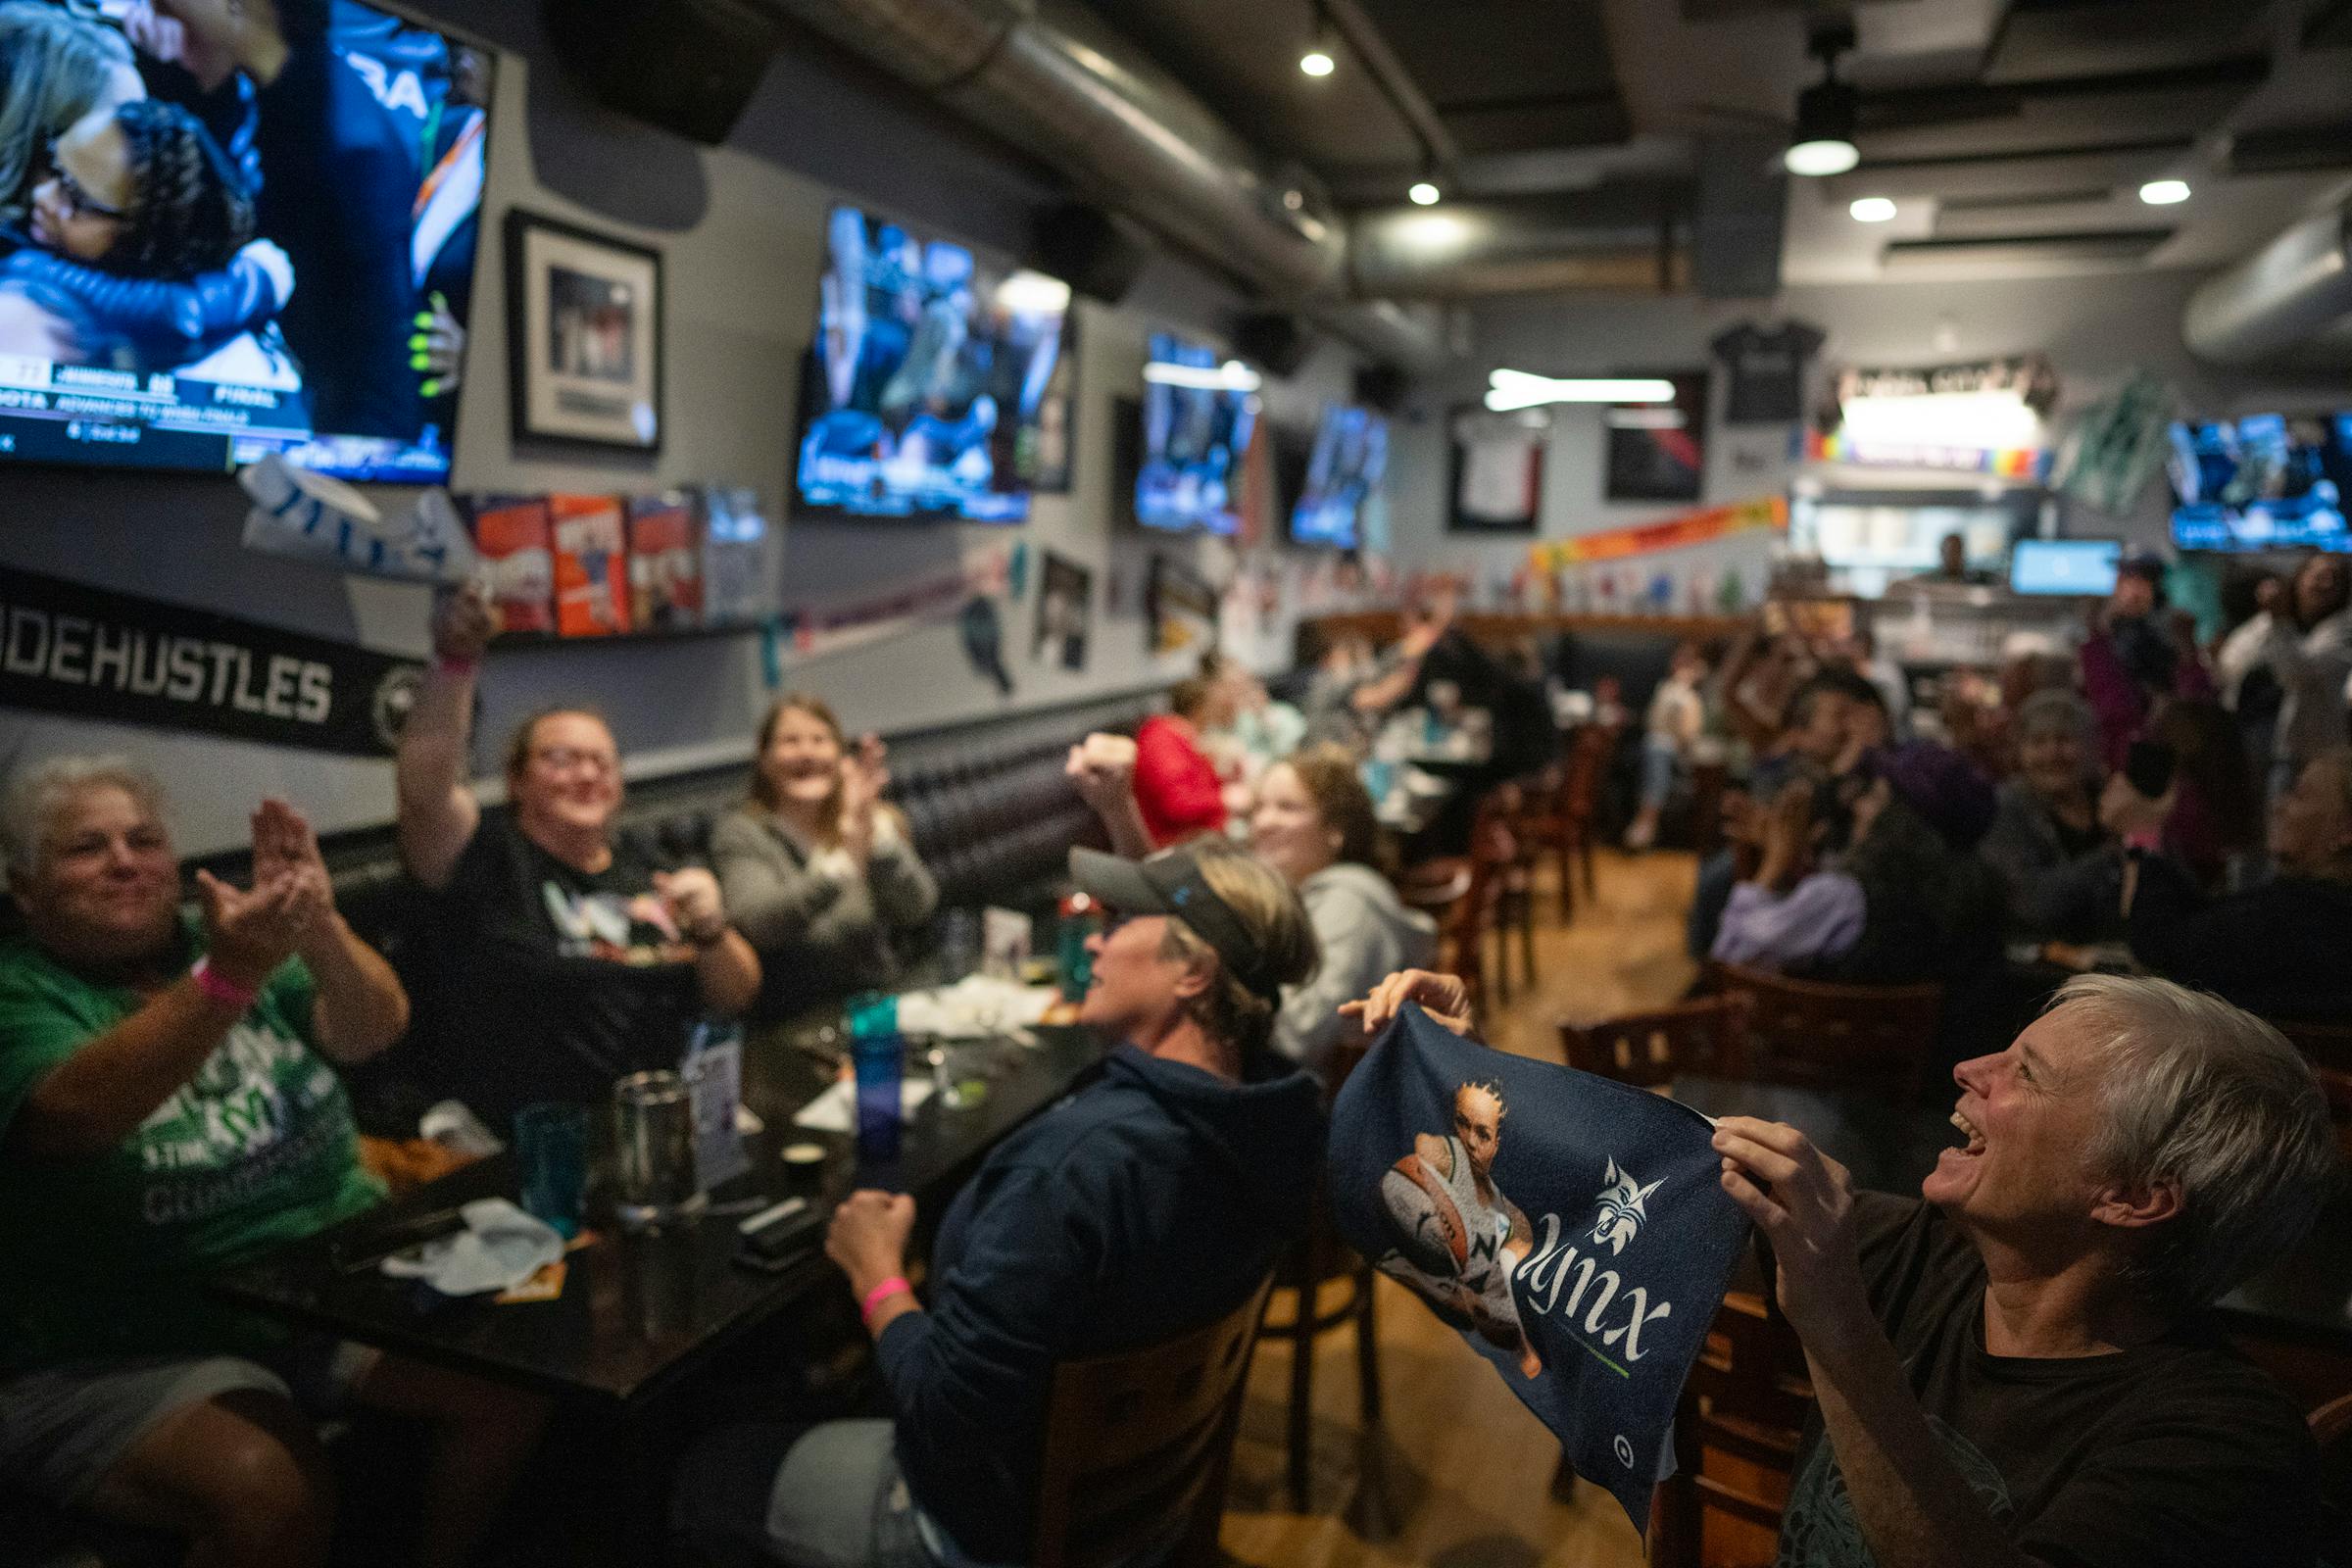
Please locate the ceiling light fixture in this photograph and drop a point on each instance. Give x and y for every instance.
(1319, 60)
(2163, 192)
(1822, 141)
(1507, 390)
(1871, 210)
(1425, 193)
(1231, 376)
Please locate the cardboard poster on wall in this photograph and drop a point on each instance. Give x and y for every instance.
(93, 654)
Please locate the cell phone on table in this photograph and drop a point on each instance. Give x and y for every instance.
(2150, 765)
(780, 1235)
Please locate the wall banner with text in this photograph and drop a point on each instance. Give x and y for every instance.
(92, 653)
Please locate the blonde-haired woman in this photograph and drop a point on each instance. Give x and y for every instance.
(818, 870)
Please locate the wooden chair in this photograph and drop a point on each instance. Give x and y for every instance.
(1743, 1408)
(1581, 781)
(2327, 1047)
(1870, 1039)
(2331, 1429)
(1138, 1445)
(1321, 1257)
(1452, 892)
(1507, 875)
(1648, 1049)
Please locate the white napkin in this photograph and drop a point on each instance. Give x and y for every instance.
(836, 1109)
(500, 1247)
(973, 1009)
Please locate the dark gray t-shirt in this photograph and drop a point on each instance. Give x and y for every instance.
(2171, 1453)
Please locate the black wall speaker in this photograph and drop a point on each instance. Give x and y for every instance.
(1279, 343)
(1095, 254)
(1381, 388)
(687, 66)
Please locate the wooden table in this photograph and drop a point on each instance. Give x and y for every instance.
(638, 1312)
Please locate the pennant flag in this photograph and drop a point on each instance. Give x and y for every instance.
(1574, 1230)
(1672, 533)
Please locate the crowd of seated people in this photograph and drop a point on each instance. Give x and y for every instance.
(560, 957)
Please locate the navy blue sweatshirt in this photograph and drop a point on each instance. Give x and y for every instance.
(1146, 1206)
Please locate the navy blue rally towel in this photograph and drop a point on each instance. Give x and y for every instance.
(1574, 1230)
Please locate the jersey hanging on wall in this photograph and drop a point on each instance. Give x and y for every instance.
(1574, 1230)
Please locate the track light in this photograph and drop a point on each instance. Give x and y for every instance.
(1424, 193)
(1871, 210)
(2163, 192)
(1320, 59)
(1822, 141)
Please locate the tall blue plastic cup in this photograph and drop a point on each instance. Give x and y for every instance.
(879, 1058)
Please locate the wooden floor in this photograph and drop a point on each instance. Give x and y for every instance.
(1464, 1470)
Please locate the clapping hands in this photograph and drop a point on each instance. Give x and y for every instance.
(249, 933)
(864, 779)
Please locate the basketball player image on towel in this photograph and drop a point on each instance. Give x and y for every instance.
(1457, 1237)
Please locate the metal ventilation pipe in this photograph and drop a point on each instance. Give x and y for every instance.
(2290, 302)
(1074, 96)
(1052, 81)
(1464, 249)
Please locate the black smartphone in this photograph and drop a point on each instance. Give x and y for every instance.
(777, 1235)
(2150, 765)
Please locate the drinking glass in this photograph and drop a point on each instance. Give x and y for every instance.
(550, 1144)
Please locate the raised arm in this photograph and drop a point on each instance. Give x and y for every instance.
(1101, 768)
(438, 812)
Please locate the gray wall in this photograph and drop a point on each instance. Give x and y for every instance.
(2094, 329)
(740, 229)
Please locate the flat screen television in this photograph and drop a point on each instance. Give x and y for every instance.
(1200, 410)
(295, 274)
(927, 379)
(1350, 459)
(2266, 481)
(2065, 565)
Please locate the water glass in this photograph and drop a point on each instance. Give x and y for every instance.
(880, 1063)
(551, 1144)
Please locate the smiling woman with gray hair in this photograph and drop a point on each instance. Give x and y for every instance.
(168, 1110)
(2013, 1369)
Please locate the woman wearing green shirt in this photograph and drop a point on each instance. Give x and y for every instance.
(167, 1109)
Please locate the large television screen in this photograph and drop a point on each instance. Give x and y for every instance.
(1350, 459)
(1200, 410)
(928, 379)
(2080, 566)
(199, 266)
(2266, 481)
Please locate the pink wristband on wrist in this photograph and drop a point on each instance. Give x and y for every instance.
(896, 1285)
(218, 987)
(2147, 840)
(457, 666)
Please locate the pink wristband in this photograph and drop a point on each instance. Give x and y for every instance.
(218, 987)
(2146, 840)
(896, 1285)
(457, 666)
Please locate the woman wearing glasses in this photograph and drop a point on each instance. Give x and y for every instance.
(128, 236)
(566, 961)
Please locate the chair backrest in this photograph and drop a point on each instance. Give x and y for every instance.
(1649, 1049)
(1138, 1443)
(1748, 1399)
(1875, 1039)
(2327, 1047)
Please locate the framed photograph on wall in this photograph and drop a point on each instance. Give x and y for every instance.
(583, 335)
(1659, 451)
(1498, 475)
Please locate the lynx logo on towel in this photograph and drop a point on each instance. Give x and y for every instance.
(1572, 1229)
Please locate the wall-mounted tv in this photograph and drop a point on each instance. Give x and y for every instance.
(2083, 568)
(1350, 460)
(927, 378)
(1200, 410)
(195, 272)
(2266, 481)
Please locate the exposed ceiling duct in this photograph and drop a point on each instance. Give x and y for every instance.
(1467, 249)
(2289, 303)
(1052, 81)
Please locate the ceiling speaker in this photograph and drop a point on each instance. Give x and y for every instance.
(687, 66)
(1095, 254)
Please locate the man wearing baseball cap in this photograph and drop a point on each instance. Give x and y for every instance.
(1149, 1204)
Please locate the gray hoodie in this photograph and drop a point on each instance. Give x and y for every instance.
(1365, 935)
